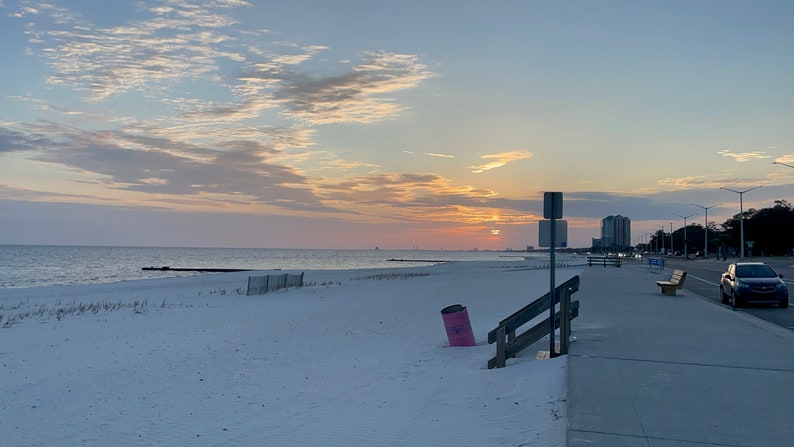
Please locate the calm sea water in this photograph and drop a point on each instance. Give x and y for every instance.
(41, 265)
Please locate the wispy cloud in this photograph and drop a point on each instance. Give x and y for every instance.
(704, 182)
(434, 154)
(500, 160)
(744, 156)
(241, 143)
(353, 97)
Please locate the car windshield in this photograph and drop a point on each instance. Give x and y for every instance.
(754, 271)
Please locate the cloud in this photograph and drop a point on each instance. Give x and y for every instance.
(357, 96)
(692, 182)
(789, 159)
(159, 166)
(182, 42)
(744, 156)
(433, 154)
(703, 182)
(499, 160)
(179, 41)
(17, 141)
(234, 145)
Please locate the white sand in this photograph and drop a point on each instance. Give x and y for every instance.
(356, 362)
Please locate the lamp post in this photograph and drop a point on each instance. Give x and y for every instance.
(780, 163)
(662, 253)
(672, 250)
(706, 242)
(686, 254)
(741, 215)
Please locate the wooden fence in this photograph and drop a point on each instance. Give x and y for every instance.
(508, 345)
(258, 285)
(603, 260)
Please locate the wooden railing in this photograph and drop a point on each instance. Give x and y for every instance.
(508, 345)
(604, 260)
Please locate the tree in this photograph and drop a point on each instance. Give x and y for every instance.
(770, 229)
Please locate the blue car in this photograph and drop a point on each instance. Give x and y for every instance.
(752, 282)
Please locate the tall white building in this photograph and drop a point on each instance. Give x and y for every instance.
(616, 232)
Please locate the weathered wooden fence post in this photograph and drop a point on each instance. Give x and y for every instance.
(565, 319)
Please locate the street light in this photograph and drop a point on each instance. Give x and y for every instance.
(706, 243)
(741, 214)
(672, 250)
(662, 253)
(686, 255)
(779, 163)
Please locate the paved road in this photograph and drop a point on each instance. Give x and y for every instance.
(649, 370)
(703, 278)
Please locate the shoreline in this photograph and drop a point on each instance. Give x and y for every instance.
(35, 266)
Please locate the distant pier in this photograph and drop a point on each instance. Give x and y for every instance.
(183, 269)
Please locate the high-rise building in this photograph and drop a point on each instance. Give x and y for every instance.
(616, 233)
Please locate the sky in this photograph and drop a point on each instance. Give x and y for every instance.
(356, 124)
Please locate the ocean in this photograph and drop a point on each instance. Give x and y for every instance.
(43, 265)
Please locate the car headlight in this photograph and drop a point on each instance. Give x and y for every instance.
(742, 285)
(780, 286)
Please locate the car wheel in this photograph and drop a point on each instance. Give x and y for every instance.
(723, 295)
(733, 300)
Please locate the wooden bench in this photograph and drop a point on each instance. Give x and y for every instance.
(675, 283)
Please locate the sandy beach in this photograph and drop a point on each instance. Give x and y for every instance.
(355, 357)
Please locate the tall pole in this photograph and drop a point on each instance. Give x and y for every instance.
(741, 215)
(706, 243)
(686, 254)
(552, 287)
(662, 240)
(672, 249)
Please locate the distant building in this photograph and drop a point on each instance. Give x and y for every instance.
(615, 233)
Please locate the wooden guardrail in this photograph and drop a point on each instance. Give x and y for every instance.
(604, 260)
(508, 345)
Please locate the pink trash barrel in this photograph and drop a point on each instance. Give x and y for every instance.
(458, 326)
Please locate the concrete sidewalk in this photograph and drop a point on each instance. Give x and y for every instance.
(662, 371)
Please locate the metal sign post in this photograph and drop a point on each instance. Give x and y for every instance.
(552, 209)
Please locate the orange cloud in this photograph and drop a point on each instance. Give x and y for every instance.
(744, 156)
(500, 160)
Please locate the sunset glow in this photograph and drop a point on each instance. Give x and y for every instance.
(269, 123)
